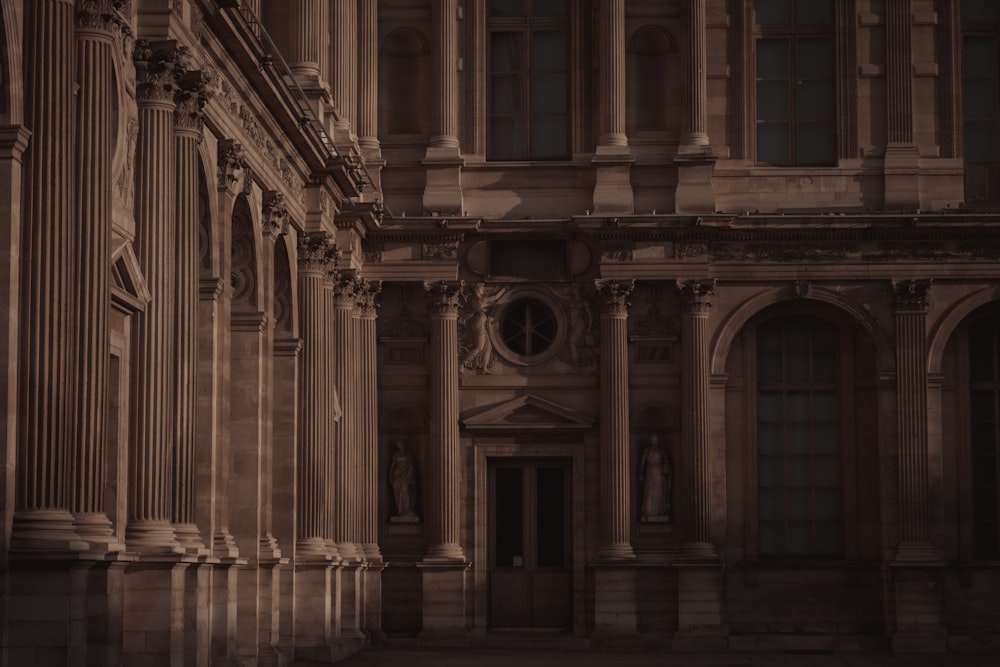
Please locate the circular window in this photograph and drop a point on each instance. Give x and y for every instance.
(528, 327)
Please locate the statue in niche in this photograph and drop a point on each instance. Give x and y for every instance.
(656, 477)
(581, 320)
(478, 348)
(403, 480)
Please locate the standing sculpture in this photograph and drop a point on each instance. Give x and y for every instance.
(403, 480)
(656, 476)
(479, 350)
(581, 320)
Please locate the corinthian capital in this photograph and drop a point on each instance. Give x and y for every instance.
(98, 15)
(158, 68)
(316, 253)
(696, 295)
(344, 290)
(614, 295)
(191, 97)
(446, 296)
(366, 293)
(912, 295)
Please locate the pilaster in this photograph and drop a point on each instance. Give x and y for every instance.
(612, 159)
(902, 162)
(367, 121)
(345, 437)
(616, 512)
(695, 158)
(443, 161)
(344, 74)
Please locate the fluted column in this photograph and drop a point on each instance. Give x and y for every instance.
(444, 458)
(187, 135)
(308, 30)
(911, 381)
(48, 332)
(344, 440)
(314, 484)
(367, 121)
(152, 439)
(344, 47)
(97, 25)
(367, 425)
(445, 13)
(899, 71)
(612, 73)
(696, 118)
(696, 473)
(615, 542)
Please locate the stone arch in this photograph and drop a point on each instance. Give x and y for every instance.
(648, 56)
(404, 79)
(950, 320)
(284, 296)
(738, 317)
(243, 248)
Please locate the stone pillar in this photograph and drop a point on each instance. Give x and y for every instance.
(444, 565)
(616, 523)
(48, 331)
(190, 100)
(699, 574)
(918, 568)
(97, 25)
(367, 121)
(344, 49)
(308, 28)
(612, 159)
(314, 553)
(443, 161)
(902, 162)
(367, 429)
(695, 158)
(152, 437)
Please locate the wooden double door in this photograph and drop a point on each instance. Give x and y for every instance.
(529, 546)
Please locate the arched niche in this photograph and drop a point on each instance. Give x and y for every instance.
(244, 256)
(406, 423)
(649, 81)
(283, 307)
(404, 83)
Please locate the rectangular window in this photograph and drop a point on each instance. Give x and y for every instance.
(981, 99)
(795, 82)
(984, 413)
(798, 436)
(529, 82)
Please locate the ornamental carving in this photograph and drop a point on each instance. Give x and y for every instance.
(99, 15)
(440, 251)
(275, 221)
(126, 181)
(689, 250)
(801, 288)
(475, 347)
(344, 289)
(769, 252)
(316, 253)
(230, 162)
(158, 68)
(372, 251)
(912, 295)
(614, 295)
(193, 93)
(581, 342)
(446, 296)
(366, 295)
(617, 251)
(244, 264)
(696, 295)
(654, 323)
(403, 326)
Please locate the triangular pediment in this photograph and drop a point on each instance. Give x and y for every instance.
(526, 413)
(128, 286)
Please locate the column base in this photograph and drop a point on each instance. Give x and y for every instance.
(351, 594)
(695, 191)
(373, 600)
(615, 552)
(901, 167)
(443, 612)
(154, 601)
(700, 608)
(189, 538)
(152, 537)
(97, 530)
(46, 530)
(316, 593)
(443, 187)
(613, 181)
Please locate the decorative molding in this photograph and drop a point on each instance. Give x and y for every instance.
(912, 295)
(439, 251)
(696, 295)
(801, 288)
(689, 250)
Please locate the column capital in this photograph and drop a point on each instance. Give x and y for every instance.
(276, 218)
(614, 295)
(230, 160)
(158, 68)
(367, 293)
(447, 296)
(912, 295)
(696, 295)
(100, 16)
(190, 98)
(345, 289)
(317, 255)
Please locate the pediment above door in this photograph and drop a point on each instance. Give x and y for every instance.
(526, 413)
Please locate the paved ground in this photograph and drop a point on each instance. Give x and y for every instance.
(383, 656)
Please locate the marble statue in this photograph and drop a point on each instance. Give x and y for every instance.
(403, 480)
(656, 478)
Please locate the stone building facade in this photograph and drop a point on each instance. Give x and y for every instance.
(628, 323)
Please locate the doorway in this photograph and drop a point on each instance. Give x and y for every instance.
(530, 543)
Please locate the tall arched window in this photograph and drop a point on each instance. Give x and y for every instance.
(798, 437)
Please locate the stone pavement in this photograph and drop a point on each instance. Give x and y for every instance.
(408, 656)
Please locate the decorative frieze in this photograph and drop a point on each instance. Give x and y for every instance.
(439, 251)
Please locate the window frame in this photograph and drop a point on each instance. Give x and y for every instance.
(792, 32)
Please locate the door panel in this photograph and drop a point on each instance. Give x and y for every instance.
(530, 582)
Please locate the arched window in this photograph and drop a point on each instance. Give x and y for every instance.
(647, 80)
(984, 431)
(404, 82)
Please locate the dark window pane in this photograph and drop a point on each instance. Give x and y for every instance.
(772, 503)
(507, 94)
(815, 100)
(981, 139)
(772, 59)
(551, 516)
(509, 547)
(797, 479)
(827, 537)
(506, 8)
(548, 7)
(797, 352)
(772, 143)
(798, 541)
(814, 58)
(771, 474)
(549, 137)
(980, 98)
(548, 93)
(979, 55)
(507, 140)
(772, 100)
(797, 407)
(983, 405)
(825, 440)
(984, 475)
(548, 50)
(979, 10)
(826, 474)
(816, 143)
(769, 440)
(771, 12)
(983, 438)
(825, 407)
(769, 407)
(507, 51)
(769, 354)
(771, 537)
(812, 12)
